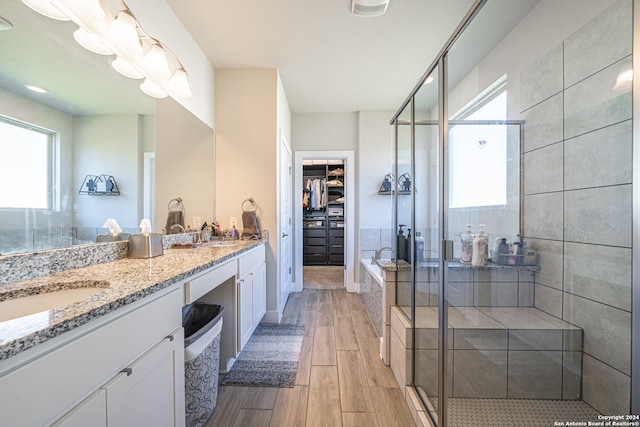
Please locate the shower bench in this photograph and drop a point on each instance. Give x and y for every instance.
(500, 345)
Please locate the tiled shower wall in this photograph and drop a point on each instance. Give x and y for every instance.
(577, 195)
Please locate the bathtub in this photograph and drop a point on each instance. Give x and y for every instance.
(371, 291)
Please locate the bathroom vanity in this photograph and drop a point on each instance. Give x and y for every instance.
(117, 356)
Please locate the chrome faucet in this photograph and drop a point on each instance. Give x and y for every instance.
(181, 228)
(203, 233)
(378, 253)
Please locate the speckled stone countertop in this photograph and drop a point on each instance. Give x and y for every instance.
(126, 281)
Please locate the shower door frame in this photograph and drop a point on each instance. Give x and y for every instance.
(441, 65)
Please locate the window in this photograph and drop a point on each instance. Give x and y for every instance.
(26, 165)
(478, 153)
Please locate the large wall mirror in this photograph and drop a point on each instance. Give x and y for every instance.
(91, 121)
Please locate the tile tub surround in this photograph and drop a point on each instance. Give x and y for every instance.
(494, 353)
(129, 280)
(371, 288)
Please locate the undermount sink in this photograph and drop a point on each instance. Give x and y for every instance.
(54, 296)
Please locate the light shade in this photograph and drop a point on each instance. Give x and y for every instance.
(46, 8)
(152, 89)
(179, 84)
(126, 69)
(125, 32)
(89, 8)
(91, 42)
(157, 63)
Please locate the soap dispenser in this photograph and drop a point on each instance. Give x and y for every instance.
(466, 239)
(402, 243)
(480, 248)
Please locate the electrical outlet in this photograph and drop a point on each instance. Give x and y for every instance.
(233, 222)
(197, 222)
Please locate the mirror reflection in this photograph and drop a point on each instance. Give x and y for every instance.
(88, 120)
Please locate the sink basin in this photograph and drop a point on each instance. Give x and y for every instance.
(58, 295)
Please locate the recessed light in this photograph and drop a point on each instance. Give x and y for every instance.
(5, 25)
(35, 88)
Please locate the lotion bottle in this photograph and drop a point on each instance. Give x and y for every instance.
(480, 248)
(419, 247)
(466, 239)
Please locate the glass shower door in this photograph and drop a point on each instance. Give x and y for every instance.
(427, 243)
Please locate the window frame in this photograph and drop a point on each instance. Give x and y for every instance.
(52, 138)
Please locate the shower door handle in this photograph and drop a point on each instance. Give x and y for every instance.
(447, 250)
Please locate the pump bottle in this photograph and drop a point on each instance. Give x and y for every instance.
(480, 248)
(466, 239)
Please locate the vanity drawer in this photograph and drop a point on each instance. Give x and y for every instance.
(249, 261)
(200, 285)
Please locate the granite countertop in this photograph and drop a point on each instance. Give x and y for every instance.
(126, 281)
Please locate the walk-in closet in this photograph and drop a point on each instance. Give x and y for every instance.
(323, 201)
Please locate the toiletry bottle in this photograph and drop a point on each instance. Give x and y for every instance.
(495, 252)
(479, 253)
(419, 247)
(466, 239)
(402, 243)
(519, 250)
(504, 252)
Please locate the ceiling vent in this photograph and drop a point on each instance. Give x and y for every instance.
(369, 7)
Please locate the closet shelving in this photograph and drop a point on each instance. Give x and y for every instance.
(323, 223)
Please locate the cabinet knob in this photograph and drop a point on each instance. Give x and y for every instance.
(127, 371)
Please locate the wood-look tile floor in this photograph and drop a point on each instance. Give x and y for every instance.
(341, 380)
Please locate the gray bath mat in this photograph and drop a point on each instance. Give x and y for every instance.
(270, 358)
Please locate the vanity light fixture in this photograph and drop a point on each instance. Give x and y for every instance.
(91, 42)
(126, 69)
(46, 8)
(152, 89)
(108, 27)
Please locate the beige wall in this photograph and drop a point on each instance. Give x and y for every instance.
(184, 163)
(250, 109)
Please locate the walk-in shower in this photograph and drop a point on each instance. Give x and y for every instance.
(523, 127)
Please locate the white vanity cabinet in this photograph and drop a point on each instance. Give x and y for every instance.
(251, 284)
(76, 376)
(143, 393)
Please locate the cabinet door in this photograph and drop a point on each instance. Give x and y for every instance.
(91, 412)
(147, 393)
(259, 294)
(245, 309)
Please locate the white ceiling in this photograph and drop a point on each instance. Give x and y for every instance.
(329, 60)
